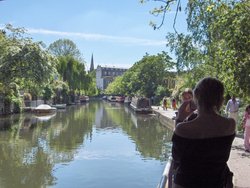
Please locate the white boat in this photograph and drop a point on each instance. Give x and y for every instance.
(44, 109)
(112, 98)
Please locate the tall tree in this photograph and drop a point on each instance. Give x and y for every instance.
(65, 47)
(231, 38)
(73, 72)
(220, 34)
(71, 66)
(23, 64)
(21, 58)
(143, 77)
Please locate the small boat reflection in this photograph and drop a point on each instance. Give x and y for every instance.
(59, 106)
(44, 117)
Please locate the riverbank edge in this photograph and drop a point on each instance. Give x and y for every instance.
(239, 160)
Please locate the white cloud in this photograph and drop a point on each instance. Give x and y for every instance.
(100, 37)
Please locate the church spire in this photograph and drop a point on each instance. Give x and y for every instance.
(92, 64)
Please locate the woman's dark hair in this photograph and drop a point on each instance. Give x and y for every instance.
(209, 93)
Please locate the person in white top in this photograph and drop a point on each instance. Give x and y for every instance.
(232, 108)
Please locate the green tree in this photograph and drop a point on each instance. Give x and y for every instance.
(91, 79)
(23, 59)
(217, 43)
(47, 93)
(65, 47)
(72, 71)
(188, 55)
(23, 63)
(231, 36)
(61, 91)
(71, 67)
(144, 76)
(116, 87)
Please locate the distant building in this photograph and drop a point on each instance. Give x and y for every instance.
(105, 75)
(92, 64)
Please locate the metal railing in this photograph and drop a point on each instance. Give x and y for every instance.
(166, 179)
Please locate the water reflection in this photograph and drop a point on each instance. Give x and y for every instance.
(45, 117)
(34, 151)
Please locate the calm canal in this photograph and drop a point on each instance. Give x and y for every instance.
(93, 145)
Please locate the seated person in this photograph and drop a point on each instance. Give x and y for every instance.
(187, 107)
(201, 147)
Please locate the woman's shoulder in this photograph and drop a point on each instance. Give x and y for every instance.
(182, 129)
(229, 125)
(230, 121)
(198, 128)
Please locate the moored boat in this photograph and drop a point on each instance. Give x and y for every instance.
(84, 98)
(141, 105)
(120, 99)
(44, 109)
(127, 100)
(59, 106)
(112, 98)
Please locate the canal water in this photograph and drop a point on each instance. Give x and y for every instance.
(93, 145)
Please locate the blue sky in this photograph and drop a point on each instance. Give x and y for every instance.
(117, 32)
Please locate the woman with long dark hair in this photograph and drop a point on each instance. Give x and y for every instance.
(201, 147)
